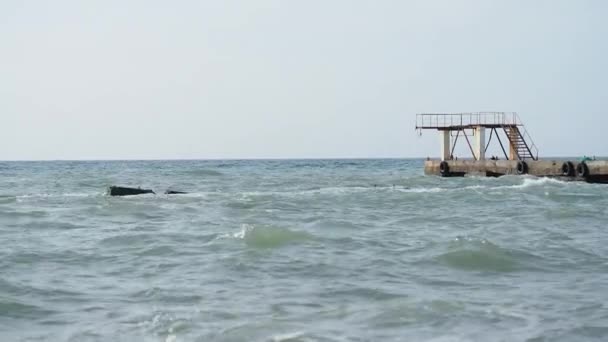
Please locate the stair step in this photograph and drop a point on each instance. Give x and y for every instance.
(519, 143)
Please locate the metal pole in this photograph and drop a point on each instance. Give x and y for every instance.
(455, 140)
(501, 146)
(489, 140)
(470, 147)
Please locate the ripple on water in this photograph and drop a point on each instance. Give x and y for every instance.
(483, 255)
(18, 310)
(353, 291)
(7, 199)
(270, 236)
(167, 296)
(333, 252)
(403, 311)
(203, 172)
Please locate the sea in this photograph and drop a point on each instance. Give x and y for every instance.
(298, 250)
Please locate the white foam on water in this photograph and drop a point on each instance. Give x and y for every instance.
(68, 194)
(530, 182)
(287, 337)
(448, 339)
(423, 190)
(341, 190)
(245, 228)
(438, 189)
(527, 183)
(333, 190)
(202, 194)
(135, 197)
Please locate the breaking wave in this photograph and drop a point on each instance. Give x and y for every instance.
(270, 236)
(482, 255)
(203, 172)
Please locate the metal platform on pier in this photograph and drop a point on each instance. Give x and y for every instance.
(520, 142)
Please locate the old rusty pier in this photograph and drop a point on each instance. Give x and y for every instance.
(520, 152)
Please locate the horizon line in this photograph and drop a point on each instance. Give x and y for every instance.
(246, 159)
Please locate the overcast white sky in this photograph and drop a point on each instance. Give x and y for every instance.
(293, 79)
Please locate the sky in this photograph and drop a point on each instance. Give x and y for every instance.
(293, 79)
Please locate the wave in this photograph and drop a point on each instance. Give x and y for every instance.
(525, 184)
(403, 311)
(482, 255)
(67, 194)
(155, 250)
(269, 236)
(532, 182)
(290, 337)
(374, 293)
(248, 196)
(419, 190)
(25, 214)
(203, 172)
(330, 190)
(15, 309)
(5, 199)
(188, 195)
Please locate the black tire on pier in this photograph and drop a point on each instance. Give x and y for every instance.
(568, 169)
(582, 170)
(444, 169)
(522, 167)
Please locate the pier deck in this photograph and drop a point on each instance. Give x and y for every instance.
(522, 158)
(590, 171)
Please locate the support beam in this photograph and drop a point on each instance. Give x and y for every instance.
(489, 139)
(454, 144)
(470, 147)
(445, 144)
(513, 152)
(480, 143)
(501, 145)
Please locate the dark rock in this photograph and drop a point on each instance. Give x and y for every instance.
(172, 192)
(494, 174)
(124, 191)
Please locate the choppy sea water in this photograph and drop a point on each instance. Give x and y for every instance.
(302, 250)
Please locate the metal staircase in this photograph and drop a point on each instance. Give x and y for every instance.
(520, 145)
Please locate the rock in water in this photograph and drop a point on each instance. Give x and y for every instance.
(124, 191)
(172, 192)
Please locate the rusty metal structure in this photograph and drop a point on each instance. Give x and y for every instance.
(522, 158)
(520, 143)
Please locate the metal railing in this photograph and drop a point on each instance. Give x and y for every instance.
(527, 138)
(469, 120)
(446, 120)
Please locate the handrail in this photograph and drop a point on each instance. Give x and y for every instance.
(445, 120)
(528, 139)
(469, 120)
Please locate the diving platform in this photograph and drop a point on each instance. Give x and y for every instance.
(518, 140)
(520, 151)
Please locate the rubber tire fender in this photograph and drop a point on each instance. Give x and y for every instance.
(568, 169)
(444, 168)
(582, 170)
(522, 167)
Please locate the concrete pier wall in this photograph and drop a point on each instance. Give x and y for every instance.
(595, 171)
(597, 167)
